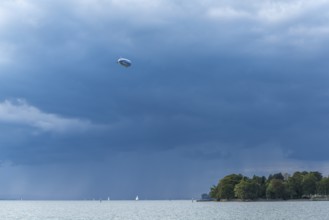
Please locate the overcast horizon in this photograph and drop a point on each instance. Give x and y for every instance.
(215, 87)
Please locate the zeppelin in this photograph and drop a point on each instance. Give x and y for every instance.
(124, 62)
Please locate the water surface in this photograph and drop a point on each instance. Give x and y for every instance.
(162, 210)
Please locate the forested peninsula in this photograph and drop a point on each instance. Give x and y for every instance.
(300, 185)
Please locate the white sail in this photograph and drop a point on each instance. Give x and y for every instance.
(137, 198)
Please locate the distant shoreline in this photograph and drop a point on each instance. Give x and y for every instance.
(268, 200)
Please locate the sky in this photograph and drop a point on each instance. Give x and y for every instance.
(216, 87)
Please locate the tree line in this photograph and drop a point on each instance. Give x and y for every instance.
(277, 186)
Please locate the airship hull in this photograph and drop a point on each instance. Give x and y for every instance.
(124, 62)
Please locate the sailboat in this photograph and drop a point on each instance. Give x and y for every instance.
(137, 198)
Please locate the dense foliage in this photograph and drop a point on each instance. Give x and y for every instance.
(277, 186)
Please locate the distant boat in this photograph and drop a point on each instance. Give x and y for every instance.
(137, 198)
(108, 199)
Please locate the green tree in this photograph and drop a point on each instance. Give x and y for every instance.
(246, 189)
(214, 192)
(309, 184)
(323, 186)
(278, 176)
(261, 182)
(226, 186)
(277, 186)
(317, 175)
(295, 185)
(276, 189)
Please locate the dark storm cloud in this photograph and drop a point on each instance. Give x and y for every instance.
(212, 84)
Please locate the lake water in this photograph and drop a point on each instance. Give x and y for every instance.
(162, 210)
